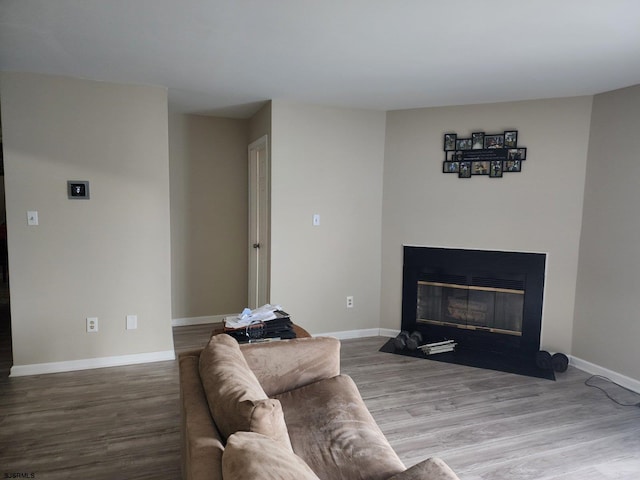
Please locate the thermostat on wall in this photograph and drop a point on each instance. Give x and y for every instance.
(78, 189)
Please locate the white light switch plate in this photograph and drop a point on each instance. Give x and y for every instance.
(32, 217)
(316, 219)
(132, 322)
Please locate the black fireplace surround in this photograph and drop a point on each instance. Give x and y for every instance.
(487, 301)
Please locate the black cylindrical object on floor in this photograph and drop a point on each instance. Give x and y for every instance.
(559, 362)
(543, 360)
(400, 342)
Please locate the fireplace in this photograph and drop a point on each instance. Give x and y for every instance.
(487, 301)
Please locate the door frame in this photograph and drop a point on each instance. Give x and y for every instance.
(259, 230)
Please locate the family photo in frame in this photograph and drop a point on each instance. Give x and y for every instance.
(510, 139)
(490, 154)
(494, 141)
(450, 141)
(477, 140)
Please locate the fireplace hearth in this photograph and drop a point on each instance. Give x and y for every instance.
(488, 302)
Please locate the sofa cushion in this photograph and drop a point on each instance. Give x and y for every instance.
(202, 444)
(253, 456)
(334, 433)
(288, 364)
(236, 400)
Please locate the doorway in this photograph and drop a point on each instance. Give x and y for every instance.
(259, 222)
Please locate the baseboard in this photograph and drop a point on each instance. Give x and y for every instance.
(343, 335)
(183, 322)
(366, 332)
(90, 363)
(593, 369)
(388, 332)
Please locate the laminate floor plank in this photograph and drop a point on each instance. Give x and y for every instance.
(123, 422)
(120, 422)
(496, 425)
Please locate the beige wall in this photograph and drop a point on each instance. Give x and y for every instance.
(208, 160)
(607, 328)
(374, 179)
(106, 257)
(260, 123)
(538, 210)
(327, 161)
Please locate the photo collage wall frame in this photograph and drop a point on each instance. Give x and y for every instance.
(483, 154)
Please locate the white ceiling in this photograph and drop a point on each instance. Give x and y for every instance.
(226, 57)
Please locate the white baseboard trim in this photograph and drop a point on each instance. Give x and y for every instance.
(593, 369)
(90, 363)
(183, 322)
(388, 332)
(366, 332)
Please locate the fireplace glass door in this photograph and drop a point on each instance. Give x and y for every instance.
(472, 307)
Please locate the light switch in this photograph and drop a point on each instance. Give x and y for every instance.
(32, 217)
(132, 322)
(316, 219)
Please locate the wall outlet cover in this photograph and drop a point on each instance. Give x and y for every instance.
(92, 324)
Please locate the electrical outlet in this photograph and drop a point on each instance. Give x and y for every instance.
(92, 324)
(350, 301)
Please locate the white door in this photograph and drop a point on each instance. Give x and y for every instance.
(259, 216)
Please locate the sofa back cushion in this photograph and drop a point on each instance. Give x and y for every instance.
(236, 400)
(254, 456)
(290, 364)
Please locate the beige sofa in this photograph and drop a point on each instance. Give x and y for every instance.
(281, 410)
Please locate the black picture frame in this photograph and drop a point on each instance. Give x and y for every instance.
(450, 167)
(477, 140)
(495, 170)
(512, 166)
(494, 141)
(450, 141)
(517, 154)
(463, 144)
(523, 153)
(492, 154)
(465, 169)
(480, 167)
(510, 138)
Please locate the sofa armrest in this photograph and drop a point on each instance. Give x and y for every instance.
(289, 364)
(202, 446)
(429, 469)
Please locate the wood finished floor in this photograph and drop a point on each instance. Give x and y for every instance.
(123, 422)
